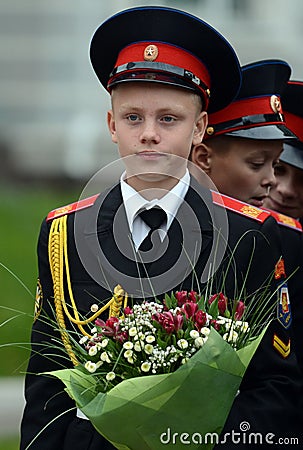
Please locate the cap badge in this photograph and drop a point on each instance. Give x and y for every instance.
(151, 52)
(275, 104)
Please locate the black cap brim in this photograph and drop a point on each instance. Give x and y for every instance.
(174, 27)
(293, 154)
(268, 132)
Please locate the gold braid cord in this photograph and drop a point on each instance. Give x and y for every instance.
(59, 266)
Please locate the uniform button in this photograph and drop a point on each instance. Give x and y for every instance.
(94, 308)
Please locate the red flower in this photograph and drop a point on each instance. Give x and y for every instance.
(200, 319)
(112, 322)
(128, 310)
(222, 302)
(168, 321)
(239, 310)
(190, 309)
(121, 337)
(178, 321)
(110, 327)
(216, 325)
(181, 297)
(192, 296)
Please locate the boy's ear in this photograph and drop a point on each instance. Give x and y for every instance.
(201, 156)
(200, 127)
(112, 126)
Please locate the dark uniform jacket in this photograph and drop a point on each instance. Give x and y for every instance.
(101, 256)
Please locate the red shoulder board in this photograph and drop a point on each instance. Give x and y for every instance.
(285, 221)
(77, 206)
(239, 207)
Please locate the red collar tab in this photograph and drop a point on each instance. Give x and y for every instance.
(284, 220)
(239, 207)
(246, 113)
(73, 207)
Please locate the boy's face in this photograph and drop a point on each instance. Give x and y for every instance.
(240, 168)
(287, 196)
(155, 126)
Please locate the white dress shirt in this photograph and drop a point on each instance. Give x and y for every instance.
(134, 203)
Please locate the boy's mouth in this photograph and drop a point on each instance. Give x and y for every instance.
(150, 154)
(258, 201)
(276, 205)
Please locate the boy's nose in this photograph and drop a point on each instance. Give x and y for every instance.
(270, 180)
(149, 132)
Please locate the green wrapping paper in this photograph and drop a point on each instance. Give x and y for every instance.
(166, 411)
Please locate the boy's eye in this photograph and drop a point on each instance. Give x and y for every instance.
(167, 119)
(133, 117)
(256, 165)
(279, 169)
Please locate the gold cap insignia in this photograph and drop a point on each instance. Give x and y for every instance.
(151, 52)
(275, 104)
(210, 131)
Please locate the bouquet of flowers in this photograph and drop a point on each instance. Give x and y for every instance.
(164, 371)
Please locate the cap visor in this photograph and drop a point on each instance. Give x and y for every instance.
(292, 155)
(268, 132)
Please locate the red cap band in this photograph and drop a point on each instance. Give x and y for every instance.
(251, 107)
(159, 52)
(241, 108)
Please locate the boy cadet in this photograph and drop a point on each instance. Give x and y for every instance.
(286, 196)
(243, 141)
(161, 82)
(241, 150)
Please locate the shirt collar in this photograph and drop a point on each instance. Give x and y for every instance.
(170, 203)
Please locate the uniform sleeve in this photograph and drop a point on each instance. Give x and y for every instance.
(293, 251)
(45, 396)
(49, 420)
(272, 385)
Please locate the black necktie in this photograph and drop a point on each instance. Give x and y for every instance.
(154, 218)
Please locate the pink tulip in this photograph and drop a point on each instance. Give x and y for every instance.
(128, 311)
(190, 309)
(222, 302)
(200, 319)
(239, 310)
(181, 297)
(192, 296)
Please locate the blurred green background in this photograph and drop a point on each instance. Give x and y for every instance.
(22, 209)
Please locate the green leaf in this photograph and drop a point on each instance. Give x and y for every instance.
(168, 301)
(213, 309)
(201, 303)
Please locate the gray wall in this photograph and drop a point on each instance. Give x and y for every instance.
(52, 109)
